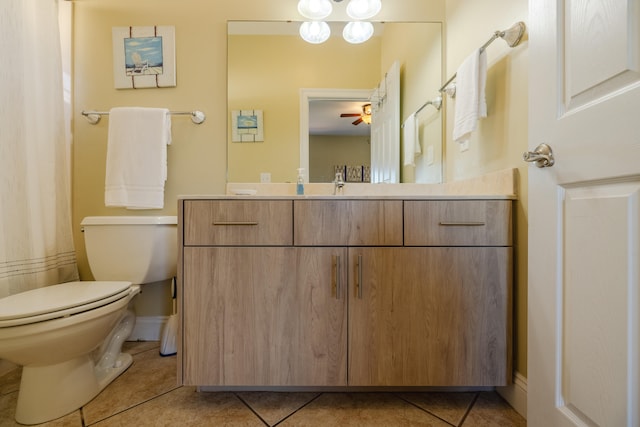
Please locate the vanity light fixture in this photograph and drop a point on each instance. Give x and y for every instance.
(357, 32)
(363, 9)
(315, 32)
(315, 9)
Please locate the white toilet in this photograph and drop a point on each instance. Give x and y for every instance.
(68, 337)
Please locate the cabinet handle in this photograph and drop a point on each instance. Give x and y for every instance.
(335, 283)
(359, 278)
(235, 223)
(461, 224)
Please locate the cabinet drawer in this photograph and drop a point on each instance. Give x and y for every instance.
(458, 223)
(348, 222)
(238, 222)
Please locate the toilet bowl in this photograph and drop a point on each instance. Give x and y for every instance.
(53, 332)
(68, 337)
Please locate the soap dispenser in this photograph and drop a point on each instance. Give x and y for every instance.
(300, 184)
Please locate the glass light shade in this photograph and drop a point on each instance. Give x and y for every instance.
(366, 113)
(315, 32)
(363, 9)
(357, 32)
(315, 9)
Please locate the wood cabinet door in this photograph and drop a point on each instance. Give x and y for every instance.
(264, 316)
(430, 316)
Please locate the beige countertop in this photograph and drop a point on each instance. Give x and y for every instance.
(498, 185)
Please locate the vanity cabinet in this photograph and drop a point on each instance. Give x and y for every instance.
(345, 292)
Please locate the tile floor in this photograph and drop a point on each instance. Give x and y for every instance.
(147, 395)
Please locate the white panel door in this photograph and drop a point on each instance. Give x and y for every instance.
(584, 214)
(385, 128)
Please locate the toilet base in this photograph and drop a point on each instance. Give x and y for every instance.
(50, 392)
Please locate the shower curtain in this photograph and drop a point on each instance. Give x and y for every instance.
(36, 244)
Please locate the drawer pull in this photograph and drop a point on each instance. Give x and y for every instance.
(235, 223)
(461, 224)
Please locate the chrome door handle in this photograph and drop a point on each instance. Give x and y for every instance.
(542, 156)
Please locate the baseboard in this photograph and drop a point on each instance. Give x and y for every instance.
(148, 328)
(516, 394)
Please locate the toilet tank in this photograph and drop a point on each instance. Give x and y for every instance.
(138, 249)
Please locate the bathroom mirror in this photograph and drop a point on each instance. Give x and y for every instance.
(269, 66)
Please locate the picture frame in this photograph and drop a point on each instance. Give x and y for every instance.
(247, 126)
(144, 57)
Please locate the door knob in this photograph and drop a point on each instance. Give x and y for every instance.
(542, 156)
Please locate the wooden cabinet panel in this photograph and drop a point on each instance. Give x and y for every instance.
(264, 316)
(238, 222)
(348, 222)
(322, 292)
(457, 223)
(430, 317)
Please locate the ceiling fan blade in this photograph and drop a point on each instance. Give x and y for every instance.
(350, 115)
(357, 122)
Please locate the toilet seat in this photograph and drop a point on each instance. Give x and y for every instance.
(61, 300)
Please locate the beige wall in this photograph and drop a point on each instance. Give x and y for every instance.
(326, 151)
(419, 50)
(501, 138)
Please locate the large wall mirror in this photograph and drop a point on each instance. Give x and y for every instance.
(270, 66)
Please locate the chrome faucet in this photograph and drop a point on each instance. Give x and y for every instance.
(338, 183)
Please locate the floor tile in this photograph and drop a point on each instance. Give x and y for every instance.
(10, 382)
(186, 407)
(147, 395)
(8, 413)
(150, 375)
(490, 410)
(451, 407)
(361, 409)
(273, 407)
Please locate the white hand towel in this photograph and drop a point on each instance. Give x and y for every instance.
(470, 95)
(411, 140)
(137, 157)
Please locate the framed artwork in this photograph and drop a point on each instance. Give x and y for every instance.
(144, 57)
(247, 126)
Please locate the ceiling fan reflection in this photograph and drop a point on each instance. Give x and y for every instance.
(365, 116)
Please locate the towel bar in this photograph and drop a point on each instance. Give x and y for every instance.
(197, 117)
(436, 102)
(511, 35)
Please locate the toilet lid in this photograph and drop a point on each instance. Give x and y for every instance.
(69, 298)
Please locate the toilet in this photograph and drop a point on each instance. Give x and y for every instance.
(68, 337)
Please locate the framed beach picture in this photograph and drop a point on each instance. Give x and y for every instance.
(144, 57)
(247, 126)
